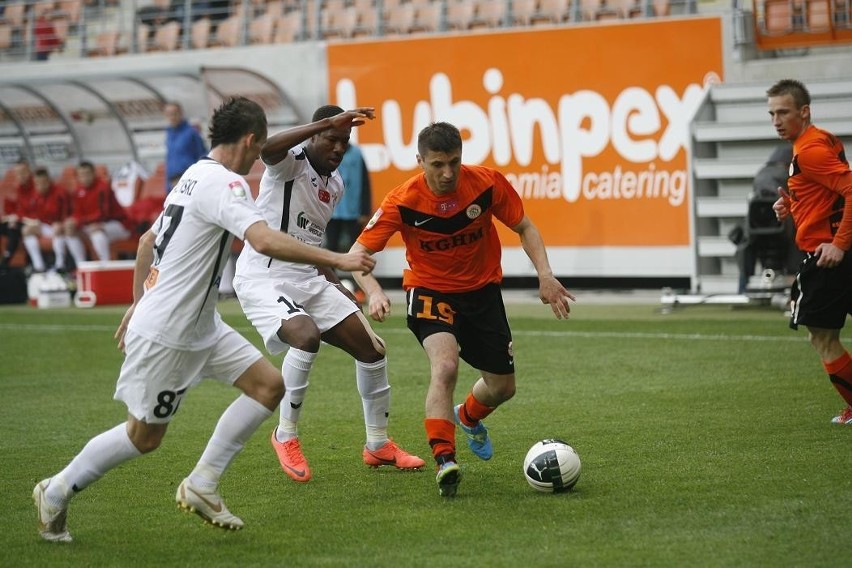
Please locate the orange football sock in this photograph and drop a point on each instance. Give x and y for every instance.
(472, 411)
(442, 438)
(840, 374)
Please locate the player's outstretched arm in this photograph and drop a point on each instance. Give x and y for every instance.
(550, 290)
(282, 246)
(379, 305)
(276, 147)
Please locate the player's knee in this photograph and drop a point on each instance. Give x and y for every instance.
(147, 443)
(305, 337)
(507, 390)
(445, 373)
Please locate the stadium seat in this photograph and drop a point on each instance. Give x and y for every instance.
(143, 36)
(607, 10)
(489, 14)
(401, 20)
(661, 8)
(460, 14)
(523, 11)
(552, 12)
(199, 37)
(589, 9)
(778, 17)
(15, 14)
(428, 17)
(261, 29)
(368, 21)
(72, 10)
(106, 43)
(5, 36)
(339, 21)
(275, 9)
(818, 15)
(288, 28)
(166, 37)
(228, 31)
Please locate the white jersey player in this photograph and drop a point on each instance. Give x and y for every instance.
(173, 336)
(298, 304)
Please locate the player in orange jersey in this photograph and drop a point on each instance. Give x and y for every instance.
(455, 307)
(819, 198)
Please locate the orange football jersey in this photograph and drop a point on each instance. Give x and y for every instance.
(816, 196)
(451, 241)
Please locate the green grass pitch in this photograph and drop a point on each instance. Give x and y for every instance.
(704, 436)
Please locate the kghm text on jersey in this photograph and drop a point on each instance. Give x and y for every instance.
(452, 242)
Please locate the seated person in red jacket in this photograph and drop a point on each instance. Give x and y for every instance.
(96, 213)
(42, 215)
(10, 222)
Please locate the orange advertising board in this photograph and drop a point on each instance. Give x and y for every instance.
(589, 123)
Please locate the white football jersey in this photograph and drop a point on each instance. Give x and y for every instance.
(208, 206)
(296, 200)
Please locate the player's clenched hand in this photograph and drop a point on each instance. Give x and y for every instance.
(552, 292)
(358, 261)
(782, 206)
(380, 306)
(122, 327)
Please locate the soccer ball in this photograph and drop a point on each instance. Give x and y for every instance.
(552, 466)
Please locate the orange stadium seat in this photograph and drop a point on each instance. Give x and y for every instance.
(818, 15)
(778, 17)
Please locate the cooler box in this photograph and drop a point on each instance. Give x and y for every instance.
(104, 283)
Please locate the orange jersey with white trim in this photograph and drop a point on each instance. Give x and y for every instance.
(817, 196)
(451, 243)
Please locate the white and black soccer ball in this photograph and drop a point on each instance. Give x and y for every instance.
(552, 466)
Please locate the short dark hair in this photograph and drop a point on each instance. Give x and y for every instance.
(439, 137)
(86, 164)
(795, 89)
(235, 118)
(41, 171)
(326, 111)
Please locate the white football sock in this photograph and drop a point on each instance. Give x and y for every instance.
(100, 242)
(59, 252)
(372, 379)
(34, 250)
(78, 250)
(235, 427)
(295, 370)
(103, 452)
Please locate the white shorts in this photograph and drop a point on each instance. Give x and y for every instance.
(114, 230)
(267, 301)
(154, 378)
(46, 230)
